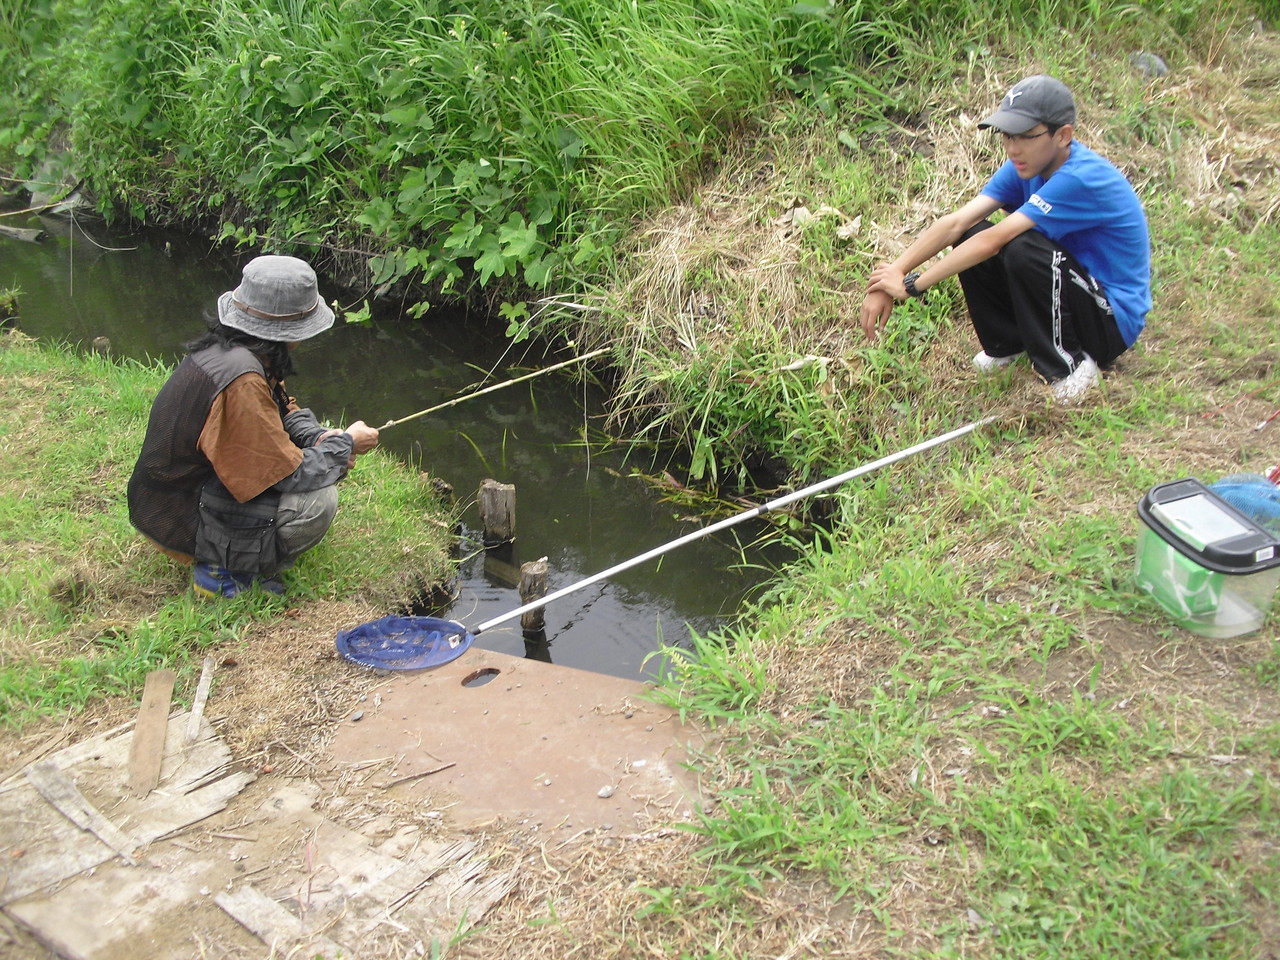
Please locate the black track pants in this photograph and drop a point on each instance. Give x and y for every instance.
(1034, 296)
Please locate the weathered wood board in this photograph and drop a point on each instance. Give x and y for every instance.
(287, 878)
(47, 846)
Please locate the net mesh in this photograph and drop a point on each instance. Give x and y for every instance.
(404, 643)
(1253, 495)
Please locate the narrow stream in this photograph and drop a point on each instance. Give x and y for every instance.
(577, 504)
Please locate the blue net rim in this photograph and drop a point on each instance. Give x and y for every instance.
(404, 643)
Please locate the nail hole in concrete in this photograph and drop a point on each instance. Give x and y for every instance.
(480, 677)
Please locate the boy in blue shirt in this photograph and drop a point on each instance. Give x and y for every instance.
(1064, 277)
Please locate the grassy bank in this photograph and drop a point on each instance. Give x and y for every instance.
(504, 145)
(954, 729)
(86, 607)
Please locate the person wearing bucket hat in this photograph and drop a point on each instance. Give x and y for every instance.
(1064, 277)
(233, 475)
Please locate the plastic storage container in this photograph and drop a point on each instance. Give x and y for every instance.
(1210, 567)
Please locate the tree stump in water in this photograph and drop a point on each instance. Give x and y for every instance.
(497, 512)
(533, 586)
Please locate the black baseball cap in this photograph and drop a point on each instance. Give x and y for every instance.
(1038, 99)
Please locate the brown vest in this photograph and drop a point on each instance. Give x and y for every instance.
(164, 491)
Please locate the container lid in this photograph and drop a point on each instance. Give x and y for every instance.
(1199, 524)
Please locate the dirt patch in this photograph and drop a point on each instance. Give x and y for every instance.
(343, 756)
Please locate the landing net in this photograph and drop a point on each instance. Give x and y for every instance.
(404, 643)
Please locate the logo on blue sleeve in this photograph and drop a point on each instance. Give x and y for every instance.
(1041, 204)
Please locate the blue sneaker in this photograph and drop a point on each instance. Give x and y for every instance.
(209, 580)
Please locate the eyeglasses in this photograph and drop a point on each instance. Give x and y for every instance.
(1024, 137)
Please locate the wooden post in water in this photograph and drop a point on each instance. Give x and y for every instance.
(536, 646)
(497, 512)
(533, 586)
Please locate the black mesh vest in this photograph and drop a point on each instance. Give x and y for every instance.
(164, 491)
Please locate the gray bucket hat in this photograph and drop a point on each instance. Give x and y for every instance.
(277, 299)
(1038, 99)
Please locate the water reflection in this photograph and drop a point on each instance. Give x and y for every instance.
(577, 504)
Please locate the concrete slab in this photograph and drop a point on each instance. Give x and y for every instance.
(521, 738)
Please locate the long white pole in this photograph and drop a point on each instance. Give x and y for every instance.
(737, 518)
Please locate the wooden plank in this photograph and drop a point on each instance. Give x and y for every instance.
(31, 756)
(110, 750)
(55, 849)
(197, 705)
(77, 753)
(147, 753)
(194, 784)
(123, 912)
(44, 847)
(388, 895)
(275, 926)
(160, 818)
(56, 787)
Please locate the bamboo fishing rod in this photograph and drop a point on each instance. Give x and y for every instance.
(737, 518)
(496, 386)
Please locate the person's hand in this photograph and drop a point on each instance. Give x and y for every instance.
(876, 307)
(886, 279)
(365, 436)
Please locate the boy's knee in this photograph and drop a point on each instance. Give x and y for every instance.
(974, 230)
(1027, 248)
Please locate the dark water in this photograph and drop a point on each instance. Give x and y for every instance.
(577, 503)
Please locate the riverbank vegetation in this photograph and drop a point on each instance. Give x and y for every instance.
(953, 728)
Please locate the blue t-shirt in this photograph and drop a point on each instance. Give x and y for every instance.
(1089, 208)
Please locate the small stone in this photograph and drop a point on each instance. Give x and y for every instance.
(629, 714)
(1148, 64)
(546, 783)
(359, 714)
(604, 793)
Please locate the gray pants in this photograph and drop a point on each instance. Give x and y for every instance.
(302, 520)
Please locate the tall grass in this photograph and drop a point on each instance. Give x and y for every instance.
(506, 143)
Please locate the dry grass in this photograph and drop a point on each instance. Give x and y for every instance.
(732, 266)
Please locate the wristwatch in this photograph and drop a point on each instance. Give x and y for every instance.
(909, 283)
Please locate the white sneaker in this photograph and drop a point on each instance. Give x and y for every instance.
(989, 364)
(1074, 386)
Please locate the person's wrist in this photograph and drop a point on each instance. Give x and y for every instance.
(909, 284)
